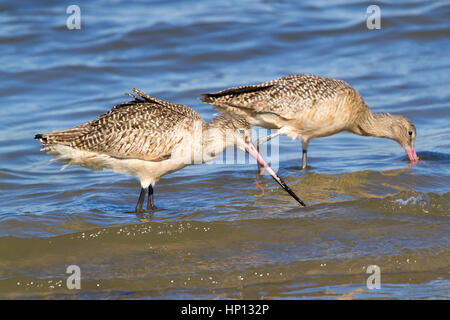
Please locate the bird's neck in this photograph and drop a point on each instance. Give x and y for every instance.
(201, 143)
(373, 124)
(214, 141)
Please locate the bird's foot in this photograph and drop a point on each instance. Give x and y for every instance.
(139, 212)
(260, 171)
(143, 211)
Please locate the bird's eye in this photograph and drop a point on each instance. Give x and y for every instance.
(410, 133)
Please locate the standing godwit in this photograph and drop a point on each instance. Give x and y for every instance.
(308, 106)
(149, 138)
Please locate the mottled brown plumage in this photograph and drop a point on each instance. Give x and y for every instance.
(308, 106)
(285, 96)
(130, 130)
(148, 138)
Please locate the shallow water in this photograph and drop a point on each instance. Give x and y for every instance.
(213, 235)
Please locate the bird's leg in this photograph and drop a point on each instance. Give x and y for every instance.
(260, 170)
(150, 202)
(140, 201)
(267, 138)
(304, 158)
(264, 140)
(304, 153)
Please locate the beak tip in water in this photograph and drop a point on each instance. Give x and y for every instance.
(412, 155)
(250, 148)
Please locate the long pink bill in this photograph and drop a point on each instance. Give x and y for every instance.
(412, 155)
(250, 148)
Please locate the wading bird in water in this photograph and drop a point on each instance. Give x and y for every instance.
(149, 138)
(308, 106)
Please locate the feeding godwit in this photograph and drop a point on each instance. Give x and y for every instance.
(308, 106)
(149, 138)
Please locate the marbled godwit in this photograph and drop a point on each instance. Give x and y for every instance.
(149, 138)
(308, 106)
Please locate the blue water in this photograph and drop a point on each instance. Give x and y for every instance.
(213, 236)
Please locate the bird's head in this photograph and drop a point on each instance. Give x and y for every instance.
(233, 129)
(404, 132)
(236, 131)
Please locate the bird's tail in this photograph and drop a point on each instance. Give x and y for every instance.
(41, 137)
(224, 95)
(207, 97)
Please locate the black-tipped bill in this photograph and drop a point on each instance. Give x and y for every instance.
(250, 148)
